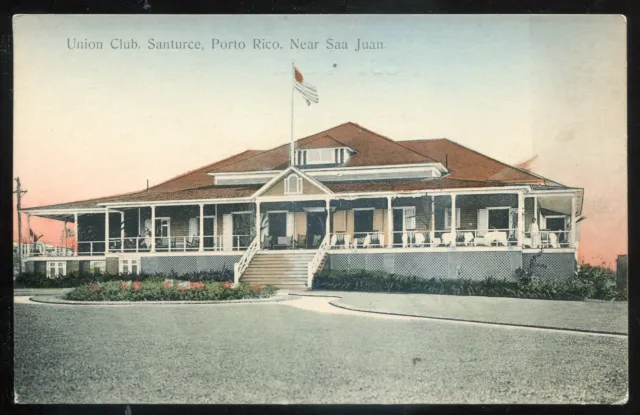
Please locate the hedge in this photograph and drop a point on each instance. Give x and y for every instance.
(76, 279)
(588, 283)
(151, 290)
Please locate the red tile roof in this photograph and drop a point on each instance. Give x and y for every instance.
(468, 168)
(467, 164)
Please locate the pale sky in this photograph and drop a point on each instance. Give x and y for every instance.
(91, 123)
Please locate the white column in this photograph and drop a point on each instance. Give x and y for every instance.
(201, 245)
(106, 230)
(29, 237)
(573, 222)
(258, 224)
(153, 229)
(453, 219)
(215, 229)
(75, 220)
(327, 226)
(121, 231)
(433, 220)
(535, 210)
(520, 233)
(390, 221)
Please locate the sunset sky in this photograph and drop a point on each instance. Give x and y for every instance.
(91, 123)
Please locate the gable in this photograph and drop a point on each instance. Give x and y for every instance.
(278, 188)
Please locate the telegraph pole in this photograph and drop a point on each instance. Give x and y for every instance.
(19, 192)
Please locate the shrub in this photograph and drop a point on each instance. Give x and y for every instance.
(581, 287)
(159, 291)
(76, 279)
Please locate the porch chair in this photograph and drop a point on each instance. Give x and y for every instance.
(301, 242)
(381, 239)
(367, 241)
(334, 240)
(420, 240)
(347, 241)
(468, 238)
(315, 243)
(447, 238)
(266, 242)
(405, 240)
(553, 240)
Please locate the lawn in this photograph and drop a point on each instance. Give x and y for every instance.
(275, 353)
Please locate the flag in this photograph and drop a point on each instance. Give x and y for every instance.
(307, 90)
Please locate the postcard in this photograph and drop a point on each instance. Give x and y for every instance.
(320, 209)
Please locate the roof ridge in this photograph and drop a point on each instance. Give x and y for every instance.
(394, 141)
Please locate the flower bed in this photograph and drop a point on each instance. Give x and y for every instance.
(168, 290)
(589, 283)
(76, 279)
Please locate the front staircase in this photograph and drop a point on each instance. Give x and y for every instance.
(286, 270)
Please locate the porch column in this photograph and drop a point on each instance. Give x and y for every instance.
(121, 231)
(454, 218)
(75, 220)
(432, 234)
(573, 222)
(258, 224)
(520, 218)
(390, 221)
(106, 230)
(327, 225)
(201, 244)
(153, 228)
(535, 210)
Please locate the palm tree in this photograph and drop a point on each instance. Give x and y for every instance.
(35, 238)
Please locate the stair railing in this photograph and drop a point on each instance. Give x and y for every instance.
(312, 266)
(240, 267)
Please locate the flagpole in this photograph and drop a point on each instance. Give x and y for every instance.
(293, 77)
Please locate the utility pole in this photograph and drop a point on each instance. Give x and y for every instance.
(19, 192)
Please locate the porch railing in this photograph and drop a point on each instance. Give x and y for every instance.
(165, 244)
(315, 263)
(34, 250)
(373, 239)
(90, 248)
(240, 267)
(241, 242)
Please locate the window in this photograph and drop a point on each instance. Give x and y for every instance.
(447, 218)
(409, 217)
(97, 266)
(362, 221)
(56, 269)
(293, 185)
(129, 266)
(321, 156)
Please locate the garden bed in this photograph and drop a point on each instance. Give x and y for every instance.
(169, 290)
(77, 279)
(589, 283)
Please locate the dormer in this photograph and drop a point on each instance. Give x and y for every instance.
(331, 156)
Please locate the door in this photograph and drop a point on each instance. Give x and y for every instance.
(316, 224)
(277, 224)
(398, 226)
(208, 232)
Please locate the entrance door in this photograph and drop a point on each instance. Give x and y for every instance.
(398, 226)
(316, 224)
(277, 224)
